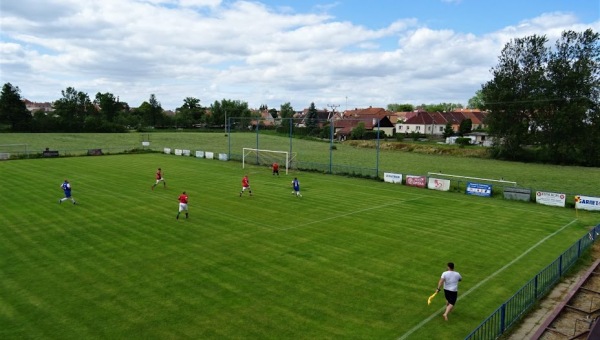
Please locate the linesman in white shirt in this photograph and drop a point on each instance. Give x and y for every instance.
(450, 280)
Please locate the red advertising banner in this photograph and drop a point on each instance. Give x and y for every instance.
(416, 181)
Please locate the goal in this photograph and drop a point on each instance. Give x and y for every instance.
(267, 157)
(13, 150)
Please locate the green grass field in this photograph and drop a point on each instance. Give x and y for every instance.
(352, 259)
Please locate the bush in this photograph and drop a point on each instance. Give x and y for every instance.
(462, 142)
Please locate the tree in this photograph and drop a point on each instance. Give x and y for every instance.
(13, 110)
(544, 103)
(476, 102)
(515, 95)
(567, 130)
(359, 131)
(73, 109)
(441, 107)
(109, 106)
(448, 131)
(312, 119)
(400, 107)
(191, 112)
(155, 110)
(286, 111)
(465, 127)
(273, 113)
(237, 113)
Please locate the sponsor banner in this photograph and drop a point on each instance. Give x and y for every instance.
(200, 154)
(519, 194)
(587, 203)
(438, 184)
(209, 155)
(478, 189)
(416, 181)
(392, 177)
(550, 198)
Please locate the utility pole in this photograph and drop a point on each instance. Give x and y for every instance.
(333, 107)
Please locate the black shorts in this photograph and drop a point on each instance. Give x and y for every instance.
(451, 296)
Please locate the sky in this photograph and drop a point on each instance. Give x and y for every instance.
(342, 54)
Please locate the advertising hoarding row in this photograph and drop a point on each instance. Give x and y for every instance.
(485, 190)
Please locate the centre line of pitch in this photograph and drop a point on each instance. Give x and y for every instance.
(422, 323)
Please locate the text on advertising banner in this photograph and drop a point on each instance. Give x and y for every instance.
(392, 178)
(416, 181)
(587, 203)
(479, 189)
(550, 198)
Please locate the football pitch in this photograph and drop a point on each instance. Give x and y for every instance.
(352, 258)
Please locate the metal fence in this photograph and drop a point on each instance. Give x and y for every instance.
(511, 311)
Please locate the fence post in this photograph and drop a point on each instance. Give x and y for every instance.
(535, 285)
(579, 248)
(502, 318)
(331, 146)
(560, 265)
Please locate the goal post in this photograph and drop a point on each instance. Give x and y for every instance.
(267, 157)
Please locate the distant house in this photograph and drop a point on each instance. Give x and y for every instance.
(266, 119)
(323, 116)
(434, 123)
(372, 122)
(34, 106)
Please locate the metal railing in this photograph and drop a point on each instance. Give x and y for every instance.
(511, 311)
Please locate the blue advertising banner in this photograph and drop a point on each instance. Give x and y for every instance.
(478, 189)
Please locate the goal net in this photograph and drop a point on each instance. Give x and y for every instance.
(268, 157)
(13, 150)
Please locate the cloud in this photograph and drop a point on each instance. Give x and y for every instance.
(243, 50)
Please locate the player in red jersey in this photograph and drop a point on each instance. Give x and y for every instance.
(159, 178)
(275, 169)
(183, 204)
(245, 185)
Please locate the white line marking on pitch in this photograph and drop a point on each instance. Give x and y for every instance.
(437, 313)
(347, 214)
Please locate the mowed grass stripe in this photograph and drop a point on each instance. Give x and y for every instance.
(352, 258)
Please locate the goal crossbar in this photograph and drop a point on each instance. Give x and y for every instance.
(475, 178)
(266, 157)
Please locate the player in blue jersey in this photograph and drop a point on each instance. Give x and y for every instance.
(296, 186)
(66, 187)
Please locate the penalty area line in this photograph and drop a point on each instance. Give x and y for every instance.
(422, 323)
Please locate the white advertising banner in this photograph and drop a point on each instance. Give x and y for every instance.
(167, 150)
(200, 154)
(587, 203)
(209, 155)
(392, 177)
(438, 184)
(550, 198)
